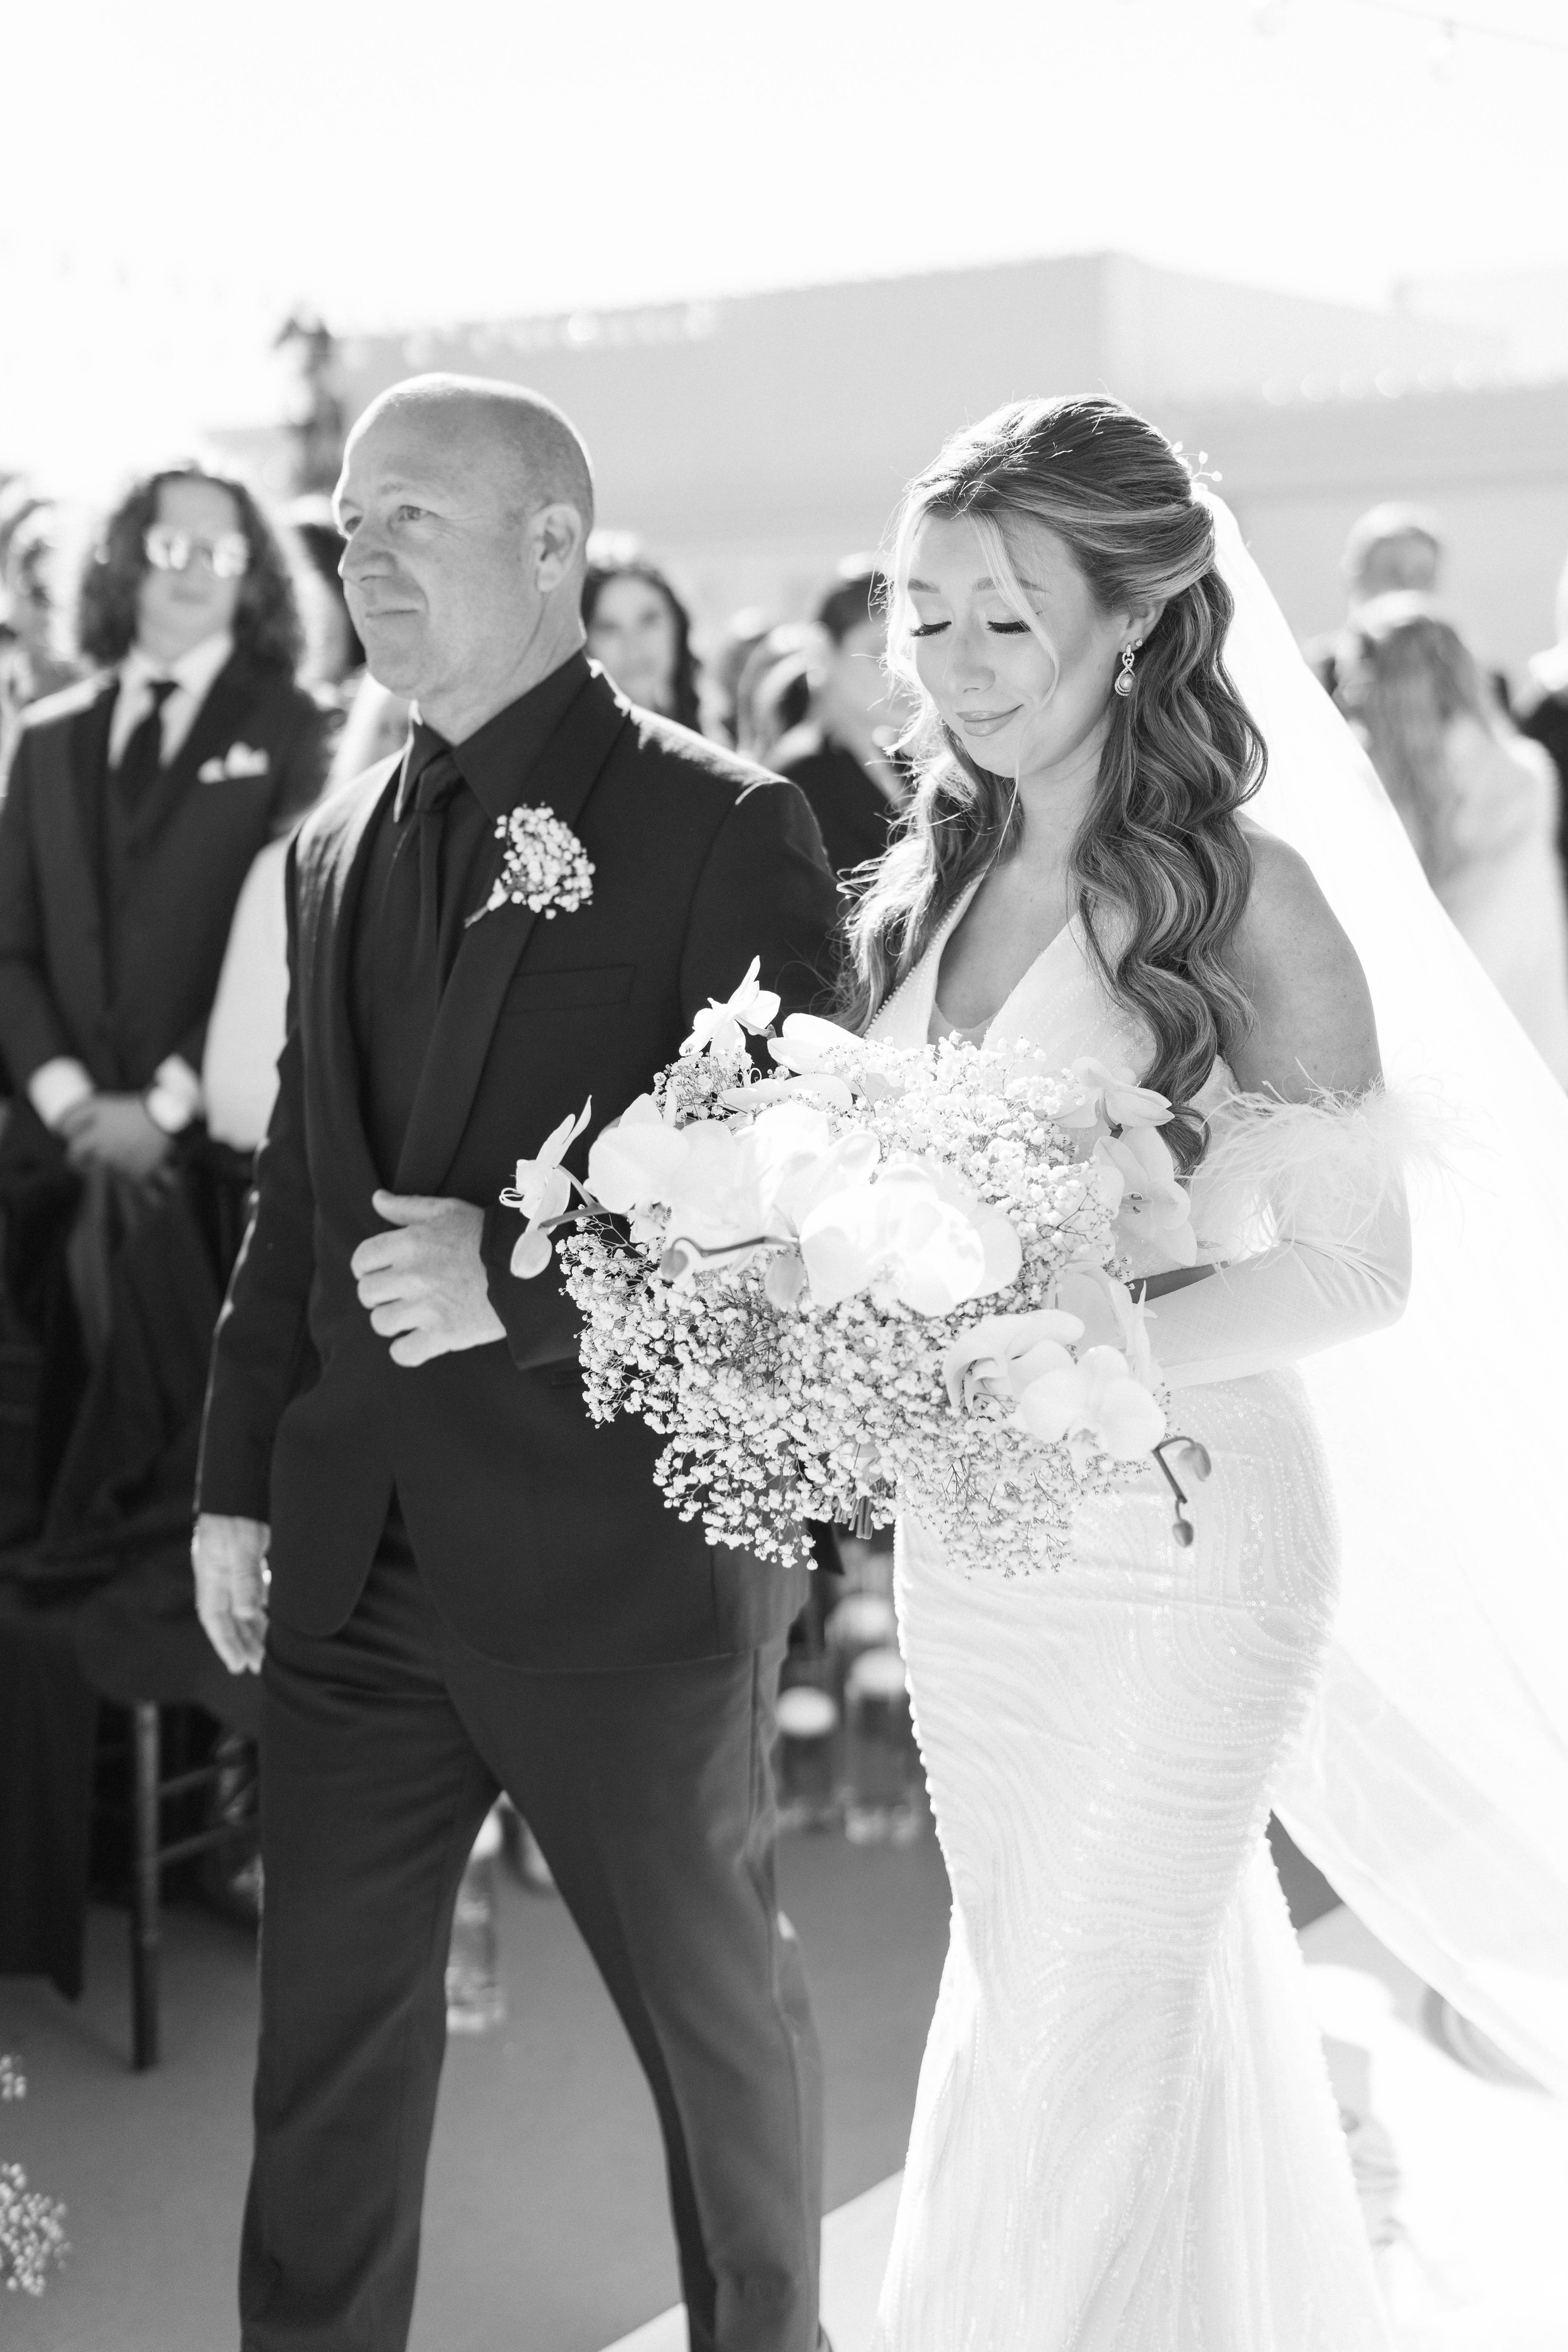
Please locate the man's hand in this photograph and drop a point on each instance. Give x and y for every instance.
(425, 1283)
(229, 1557)
(114, 1131)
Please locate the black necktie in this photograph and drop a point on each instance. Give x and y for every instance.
(142, 758)
(434, 787)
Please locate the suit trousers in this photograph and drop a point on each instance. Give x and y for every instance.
(650, 1791)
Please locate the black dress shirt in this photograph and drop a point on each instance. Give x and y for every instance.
(393, 1006)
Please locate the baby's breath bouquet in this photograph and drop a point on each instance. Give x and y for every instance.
(868, 1280)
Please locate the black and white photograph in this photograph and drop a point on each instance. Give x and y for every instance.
(783, 1177)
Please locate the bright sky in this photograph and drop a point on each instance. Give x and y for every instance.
(180, 172)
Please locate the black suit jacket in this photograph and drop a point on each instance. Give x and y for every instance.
(542, 1535)
(193, 844)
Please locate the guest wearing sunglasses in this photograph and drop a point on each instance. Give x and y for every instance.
(137, 802)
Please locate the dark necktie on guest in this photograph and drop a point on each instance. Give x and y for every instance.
(143, 757)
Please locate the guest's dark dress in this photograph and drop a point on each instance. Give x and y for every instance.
(856, 816)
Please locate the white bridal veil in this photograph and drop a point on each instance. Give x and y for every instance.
(1431, 1788)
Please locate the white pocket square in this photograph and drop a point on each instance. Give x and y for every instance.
(238, 760)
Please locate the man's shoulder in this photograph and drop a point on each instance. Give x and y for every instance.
(688, 762)
(343, 809)
(67, 703)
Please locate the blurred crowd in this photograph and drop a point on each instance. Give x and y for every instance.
(195, 638)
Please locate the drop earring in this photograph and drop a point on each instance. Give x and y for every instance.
(1123, 683)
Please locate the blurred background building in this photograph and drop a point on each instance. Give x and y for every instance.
(751, 439)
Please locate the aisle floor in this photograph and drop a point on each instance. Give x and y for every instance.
(546, 2229)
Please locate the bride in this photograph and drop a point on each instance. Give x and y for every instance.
(1124, 2140)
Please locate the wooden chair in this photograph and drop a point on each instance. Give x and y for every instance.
(152, 1791)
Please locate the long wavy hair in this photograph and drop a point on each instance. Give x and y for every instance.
(267, 616)
(609, 563)
(1407, 675)
(1160, 870)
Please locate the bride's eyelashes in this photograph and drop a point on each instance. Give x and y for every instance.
(997, 628)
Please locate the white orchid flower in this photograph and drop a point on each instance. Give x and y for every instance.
(806, 1042)
(544, 1188)
(1105, 1308)
(811, 1046)
(543, 1191)
(1095, 1403)
(1001, 1354)
(1108, 1091)
(635, 1159)
(911, 1232)
(721, 1028)
(806, 1178)
(715, 1196)
(1139, 1184)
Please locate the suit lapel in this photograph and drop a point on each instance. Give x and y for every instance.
(75, 806)
(569, 768)
(212, 729)
(336, 871)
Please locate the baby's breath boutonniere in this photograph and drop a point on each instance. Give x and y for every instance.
(545, 868)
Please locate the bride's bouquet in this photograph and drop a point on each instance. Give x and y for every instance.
(866, 1279)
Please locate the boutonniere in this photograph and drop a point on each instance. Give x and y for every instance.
(238, 760)
(546, 867)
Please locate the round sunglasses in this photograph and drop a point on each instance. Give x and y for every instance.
(226, 557)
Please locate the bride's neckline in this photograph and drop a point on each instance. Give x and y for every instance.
(981, 1030)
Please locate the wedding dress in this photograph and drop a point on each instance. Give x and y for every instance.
(1124, 2138)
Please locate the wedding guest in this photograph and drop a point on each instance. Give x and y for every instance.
(641, 632)
(335, 657)
(840, 756)
(1480, 803)
(1391, 547)
(1541, 708)
(742, 634)
(772, 694)
(33, 662)
(138, 801)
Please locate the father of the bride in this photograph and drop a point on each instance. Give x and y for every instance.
(472, 1587)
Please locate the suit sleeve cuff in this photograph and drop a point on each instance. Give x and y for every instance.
(57, 1087)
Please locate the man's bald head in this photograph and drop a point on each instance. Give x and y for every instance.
(465, 505)
(537, 452)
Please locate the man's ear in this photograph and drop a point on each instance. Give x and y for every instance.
(558, 534)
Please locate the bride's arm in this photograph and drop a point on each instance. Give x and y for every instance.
(1341, 1266)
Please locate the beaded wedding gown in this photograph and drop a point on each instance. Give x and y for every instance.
(1124, 2138)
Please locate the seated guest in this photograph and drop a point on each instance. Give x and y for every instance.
(841, 758)
(1478, 802)
(138, 801)
(640, 631)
